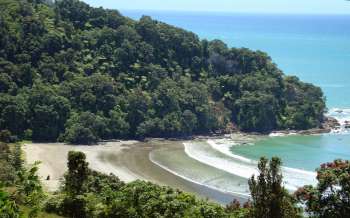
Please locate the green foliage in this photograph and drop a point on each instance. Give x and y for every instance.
(29, 190)
(256, 112)
(305, 104)
(17, 160)
(77, 173)
(269, 198)
(235, 210)
(331, 197)
(49, 113)
(8, 207)
(147, 200)
(5, 136)
(106, 196)
(7, 165)
(65, 61)
(73, 202)
(84, 128)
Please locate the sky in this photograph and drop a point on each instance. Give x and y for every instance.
(248, 6)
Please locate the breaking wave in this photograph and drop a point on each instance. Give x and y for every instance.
(218, 155)
(242, 193)
(343, 117)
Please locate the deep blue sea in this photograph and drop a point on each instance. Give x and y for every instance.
(316, 48)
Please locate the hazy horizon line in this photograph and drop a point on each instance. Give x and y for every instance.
(233, 12)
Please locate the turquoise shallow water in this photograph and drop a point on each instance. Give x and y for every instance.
(302, 152)
(315, 48)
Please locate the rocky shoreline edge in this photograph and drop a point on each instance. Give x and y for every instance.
(329, 124)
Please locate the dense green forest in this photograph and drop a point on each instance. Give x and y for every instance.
(75, 73)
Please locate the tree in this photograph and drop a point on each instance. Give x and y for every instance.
(189, 122)
(17, 160)
(65, 59)
(78, 134)
(302, 100)
(14, 118)
(256, 112)
(5, 136)
(75, 179)
(29, 190)
(269, 198)
(7, 169)
(119, 127)
(75, 185)
(49, 112)
(85, 128)
(331, 197)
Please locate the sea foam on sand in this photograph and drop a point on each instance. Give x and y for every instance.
(220, 157)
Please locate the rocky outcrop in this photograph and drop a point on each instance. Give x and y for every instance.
(331, 123)
(347, 124)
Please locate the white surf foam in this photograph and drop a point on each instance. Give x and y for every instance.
(223, 190)
(281, 134)
(243, 167)
(197, 152)
(277, 134)
(226, 149)
(342, 115)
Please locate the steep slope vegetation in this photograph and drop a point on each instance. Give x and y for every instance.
(80, 74)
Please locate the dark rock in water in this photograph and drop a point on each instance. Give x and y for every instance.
(330, 123)
(315, 131)
(339, 111)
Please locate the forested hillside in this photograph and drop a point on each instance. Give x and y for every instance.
(79, 74)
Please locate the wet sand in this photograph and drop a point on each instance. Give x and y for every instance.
(129, 160)
(136, 159)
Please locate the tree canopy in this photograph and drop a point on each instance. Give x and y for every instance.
(76, 73)
(331, 197)
(270, 198)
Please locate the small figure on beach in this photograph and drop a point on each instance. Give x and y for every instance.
(48, 177)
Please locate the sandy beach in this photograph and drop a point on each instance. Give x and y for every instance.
(129, 160)
(53, 158)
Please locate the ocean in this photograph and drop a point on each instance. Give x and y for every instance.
(316, 48)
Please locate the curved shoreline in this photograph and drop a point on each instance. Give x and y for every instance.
(132, 160)
(137, 159)
(235, 194)
(129, 160)
(241, 166)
